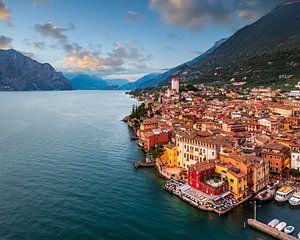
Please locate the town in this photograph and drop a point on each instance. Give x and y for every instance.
(220, 151)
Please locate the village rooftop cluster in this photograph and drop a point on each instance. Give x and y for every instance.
(220, 150)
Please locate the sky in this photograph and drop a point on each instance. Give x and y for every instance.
(121, 38)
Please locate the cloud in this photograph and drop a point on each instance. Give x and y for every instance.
(133, 16)
(4, 11)
(39, 45)
(29, 54)
(40, 2)
(173, 36)
(52, 31)
(122, 55)
(196, 14)
(170, 48)
(5, 42)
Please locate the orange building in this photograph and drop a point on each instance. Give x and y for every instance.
(277, 154)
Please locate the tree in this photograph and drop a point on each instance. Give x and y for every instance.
(294, 172)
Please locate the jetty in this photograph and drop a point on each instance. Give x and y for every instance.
(269, 230)
(143, 164)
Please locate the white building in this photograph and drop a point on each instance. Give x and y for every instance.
(295, 157)
(193, 148)
(295, 160)
(175, 85)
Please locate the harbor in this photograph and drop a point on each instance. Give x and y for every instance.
(269, 230)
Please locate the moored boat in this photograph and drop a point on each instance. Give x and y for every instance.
(284, 194)
(281, 226)
(273, 223)
(298, 235)
(267, 194)
(295, 199)
(289, 229)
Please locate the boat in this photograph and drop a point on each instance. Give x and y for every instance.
(295, 199)
(273, 223)
(289, 229)
(284, 194)
(267, 194)
(298, 235)
(281, 226)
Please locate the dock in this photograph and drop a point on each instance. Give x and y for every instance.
(142, 164)
(269, 230)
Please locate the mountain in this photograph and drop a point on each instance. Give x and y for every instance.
(90, 82)
(266, 52)
(21, 73)
(116, 82)
(87, 82)
(144, 82)
(155, 79)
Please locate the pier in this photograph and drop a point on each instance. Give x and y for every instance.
(142, 164)
(269, 230)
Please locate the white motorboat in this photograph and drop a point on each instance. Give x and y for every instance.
(281, 226)
(284, 194)
(298, 235)
(295, 199)
(273, 223)
(289, 229)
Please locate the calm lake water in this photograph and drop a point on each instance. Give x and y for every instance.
(66, 172)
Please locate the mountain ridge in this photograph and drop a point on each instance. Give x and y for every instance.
(21, 73)
(260, 53)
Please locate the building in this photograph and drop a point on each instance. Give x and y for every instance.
(295, 156)
(175, 85)
(169, 157)
(154, 137)
(269, 123)
(277, 154)
(235, 178)
(257, 169)
(203, 177)
(149, 123)
(193, 148)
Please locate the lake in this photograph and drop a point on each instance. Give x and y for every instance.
(66, 172)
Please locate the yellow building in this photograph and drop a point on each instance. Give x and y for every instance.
(237, 180)
(169, 157)
(150, 123)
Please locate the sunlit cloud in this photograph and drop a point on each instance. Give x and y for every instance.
(4, 11)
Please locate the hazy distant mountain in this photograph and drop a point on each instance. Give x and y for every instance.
(89, 82)
(21, 73)
(155, 79)
(260, 53)
(118, 82)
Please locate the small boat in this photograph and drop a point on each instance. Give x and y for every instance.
(284, 194)
(289, 229)
(281, 226)
(295, 199)
(298, 235)
(273, 223)
(267, 194)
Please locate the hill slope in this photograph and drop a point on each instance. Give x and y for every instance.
(155, 79)
(265, 52)
(21, 73)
